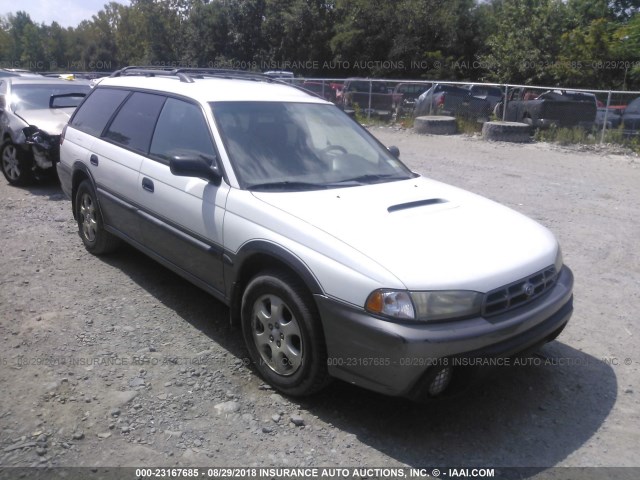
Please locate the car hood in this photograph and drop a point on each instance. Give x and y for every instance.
(50, 120)
(427, 234)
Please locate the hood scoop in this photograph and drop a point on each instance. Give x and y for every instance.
(417, 203)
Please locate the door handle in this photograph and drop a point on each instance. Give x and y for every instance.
(147, 184)
(94, 159)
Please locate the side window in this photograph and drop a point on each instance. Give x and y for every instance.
(134, 123)
(182, 129)
(97, 109)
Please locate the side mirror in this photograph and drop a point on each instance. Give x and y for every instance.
(395, 151)
(196, 165)
(66, 100)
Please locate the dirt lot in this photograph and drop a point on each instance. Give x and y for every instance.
(116, 361)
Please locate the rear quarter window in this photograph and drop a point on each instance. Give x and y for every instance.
(92, 116)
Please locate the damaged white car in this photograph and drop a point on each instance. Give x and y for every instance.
(33, 111)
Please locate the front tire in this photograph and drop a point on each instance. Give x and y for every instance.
(283, 334)
(90, 225)
(16, 164)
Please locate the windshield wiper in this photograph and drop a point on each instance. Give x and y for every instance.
(287, 185)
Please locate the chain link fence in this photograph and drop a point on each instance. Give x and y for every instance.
(554, 113)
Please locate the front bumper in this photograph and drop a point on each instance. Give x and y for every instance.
(44, 147)
(398, 358)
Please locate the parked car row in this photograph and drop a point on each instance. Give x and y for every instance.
(539, 108)
(559, 108)
(278, 204)
(33, 111)
(536, 107)
(625, 117)
(414, 98)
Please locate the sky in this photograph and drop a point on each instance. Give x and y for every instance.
(68, 13)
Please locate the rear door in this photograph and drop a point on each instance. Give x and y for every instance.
(116, 161)
(514, 105)
(85, 128)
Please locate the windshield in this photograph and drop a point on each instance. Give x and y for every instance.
(297, 146)
(634, 107)
(417, 88)
(33, 97)
(365, 86)
(479, 90)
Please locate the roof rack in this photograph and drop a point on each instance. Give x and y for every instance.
(187, 74)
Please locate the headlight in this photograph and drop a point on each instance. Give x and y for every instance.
(425, 306)
(390, 303)
(442, 305)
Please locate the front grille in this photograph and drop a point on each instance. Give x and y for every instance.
(518, 293)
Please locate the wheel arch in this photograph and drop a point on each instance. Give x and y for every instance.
(257, 256)
(80, 173)
(9, 136)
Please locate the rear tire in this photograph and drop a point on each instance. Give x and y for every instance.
(283, 334)
(16, 164)
(436, 125)
(90, 225)
(507, 132)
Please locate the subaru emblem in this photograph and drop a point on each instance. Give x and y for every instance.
(528, 289)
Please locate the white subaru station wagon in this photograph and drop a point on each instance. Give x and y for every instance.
(335, 258)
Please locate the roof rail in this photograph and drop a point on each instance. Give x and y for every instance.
(188, 74)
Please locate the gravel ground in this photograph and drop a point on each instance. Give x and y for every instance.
(115, 361)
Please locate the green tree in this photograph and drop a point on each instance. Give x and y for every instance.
(581, 13)
(148, 32)
(102, 49)
(32, 55)
(245, 30)
(7, 42)
(436, 39)
(526, 41)
(207, 35)
(585, 53)
(298, 31)
(625, 48)
(18, 25)
(602, 48)
(54, 45)
(625, 9)
(364, 35)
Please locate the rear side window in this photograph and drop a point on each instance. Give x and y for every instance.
(96, 111)
(133, 126)
(181, 129)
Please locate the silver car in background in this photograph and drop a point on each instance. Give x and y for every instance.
(33, 111)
